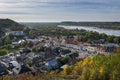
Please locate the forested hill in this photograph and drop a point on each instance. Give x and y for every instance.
(8, 24)
(107, 25)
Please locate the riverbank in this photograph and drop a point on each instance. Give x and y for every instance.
(100, 30)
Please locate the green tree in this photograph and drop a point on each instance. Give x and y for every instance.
(3, 52)
(7, 40)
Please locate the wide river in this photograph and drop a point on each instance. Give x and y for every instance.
(100, 30)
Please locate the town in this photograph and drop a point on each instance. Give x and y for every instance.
(44, 53)
(59, 39)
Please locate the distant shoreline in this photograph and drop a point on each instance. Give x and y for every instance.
(102, 25)
(100, 30)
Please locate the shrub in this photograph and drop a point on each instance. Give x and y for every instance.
(67, 70)
(3, 52)
(64, 60)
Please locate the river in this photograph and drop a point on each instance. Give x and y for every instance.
(100, 30)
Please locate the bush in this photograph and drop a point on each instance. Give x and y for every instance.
(34, 49)
(64, 60)
(67, 70)
(3, 52)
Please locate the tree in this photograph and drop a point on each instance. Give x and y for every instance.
(85, 74)
(79, 38)
(64, 60)
(3, 52)
(67, 70)
(7, 40)
(34, 49)
(116, 40)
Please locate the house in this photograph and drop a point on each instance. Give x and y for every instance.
(37, 61)
(15, 66)
(32, 40)
(17, 32)
(73, 58)
(21, 58)
(92, 49)
(24, 69)
(47, 44)
(52, 64)
(5, 59)
(62, 41)
(110, 47)
(73, 44)
(25, 50)
(3, 70)
(56, 50)
(15, 41)
(65, 51)
(83, 47)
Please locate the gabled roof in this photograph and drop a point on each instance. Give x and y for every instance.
(24, 69)
(3, 69)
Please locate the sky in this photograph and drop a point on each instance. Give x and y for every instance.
(60, 10)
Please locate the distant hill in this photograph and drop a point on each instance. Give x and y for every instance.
(107, 25)
(7, 25)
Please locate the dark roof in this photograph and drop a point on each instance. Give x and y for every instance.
(21, 58)
(24, 69)
(3, 69)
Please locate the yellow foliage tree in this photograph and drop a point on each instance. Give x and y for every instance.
(52, 73)
(67, 70)
(87, 61)
(101, 70)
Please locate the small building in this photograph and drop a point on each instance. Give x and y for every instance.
(92, 49)
(62, 42)
(17, 33)
(73, 44)
(111, 47)
(3, 70)
(15, 66)
(53, 64)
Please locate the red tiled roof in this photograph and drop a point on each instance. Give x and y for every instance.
(72, 42)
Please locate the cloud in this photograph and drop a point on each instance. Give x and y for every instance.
(37, 10)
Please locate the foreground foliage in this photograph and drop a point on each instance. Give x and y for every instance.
(99, 67)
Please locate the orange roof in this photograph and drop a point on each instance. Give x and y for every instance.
(72, 42)
(60, 40)
(86, 44)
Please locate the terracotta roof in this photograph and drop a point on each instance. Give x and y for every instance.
(60, 40)
(72, 42)
(86, 44)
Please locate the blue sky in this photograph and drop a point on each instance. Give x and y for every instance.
(60, 10)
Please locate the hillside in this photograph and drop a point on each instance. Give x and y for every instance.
(8, 24)
(99, 67)
(106, 25)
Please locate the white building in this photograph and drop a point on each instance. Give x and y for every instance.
(73, 44)
(92, 49)
(17, 33)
